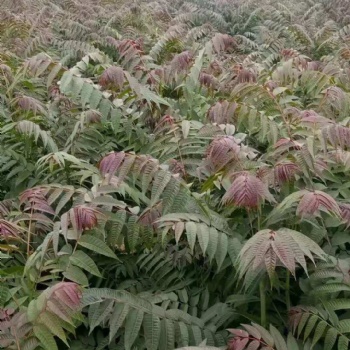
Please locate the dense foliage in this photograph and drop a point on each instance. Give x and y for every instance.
(174, 174)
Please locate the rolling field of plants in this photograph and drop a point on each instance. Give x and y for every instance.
(175, 174)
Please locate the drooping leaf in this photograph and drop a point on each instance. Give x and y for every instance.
(82, 260)
(96, 245)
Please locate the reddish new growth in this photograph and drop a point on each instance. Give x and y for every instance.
(223, 42)
(165, 121)
(150, 216)
(34, 200)
(208, 80)
(247, 191)
(176, 167)
(296, 314)
(222, 151)
(222, 112)
(111, 163)
(271, 85)
(314, 65)
(246, 76)
(64, 293)
(289, 53)
(214, 68)
(240, 340)
(128, 46)
(315, 201)
(311, 118)
(5, 314)
(156, 75)
(337, 135)
(345, 213)
(244, 340)
(27, 103)
(112, 77)
(5, 207)
(6, 72)
(285, 172)
(85, 218)
(287, 144)
(54, 91)
(8, 229)
(335, 94)
(181, 62)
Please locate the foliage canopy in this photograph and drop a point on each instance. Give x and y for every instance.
(174, 174)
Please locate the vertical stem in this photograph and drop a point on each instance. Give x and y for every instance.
(250, 222)
(288, 290)
(29, 231)
(262, 302)
(17, 341)
(262, 288)
(259, 219)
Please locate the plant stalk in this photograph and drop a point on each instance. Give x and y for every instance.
(29, 231)
(262, 302)
(288, 290)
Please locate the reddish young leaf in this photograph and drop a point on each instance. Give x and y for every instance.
(285, 172)
(315, 201)
(222, 112)
(222, 151)
(34, 199)
(112, 77)
(86, 217)
(111, 163)
(9, 229)
(247, 191)
(345, 213)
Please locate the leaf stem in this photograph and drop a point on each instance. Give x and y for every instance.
(288, 290)
(262, 302)
(29, 231)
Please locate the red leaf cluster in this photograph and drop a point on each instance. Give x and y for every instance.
(62, 295)
(110, 163)
(34, 199)
(222, 151)
(181, 62)
(244, 340)
(285, 172)
(8, 229)
(223, 42)
(247, 191)
(222, 112)
(112, 77)
(315, 201)
(85, 217)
